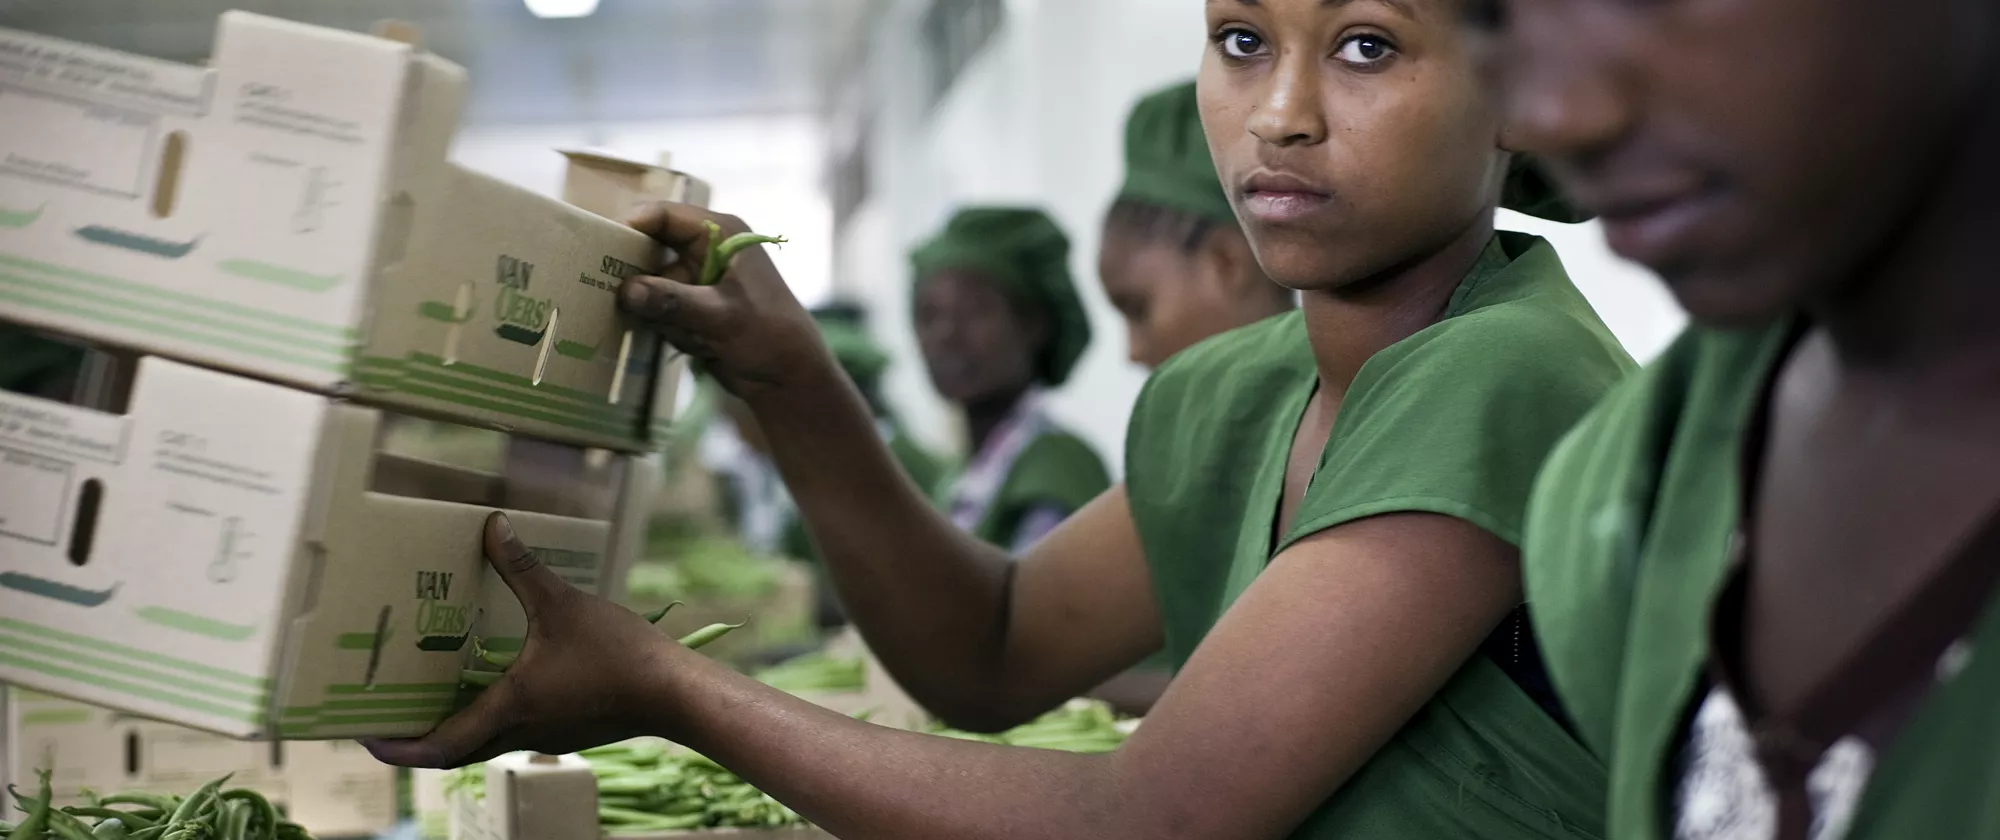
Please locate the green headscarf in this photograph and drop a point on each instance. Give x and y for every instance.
(1166, 157)
(1024, 251)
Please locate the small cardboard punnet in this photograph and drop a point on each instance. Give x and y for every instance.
(333, 789)
(229, 554)
(287, 212)
(544, 797)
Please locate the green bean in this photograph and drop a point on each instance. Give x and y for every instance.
(66, 827)
(705, 635)
(158, 802)
(655, 616)
(479, 678)
(150, 833)
(37, 822)
(719, 255)
(257, 806)
(131, 820)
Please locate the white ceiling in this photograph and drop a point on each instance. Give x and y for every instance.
(633, 59)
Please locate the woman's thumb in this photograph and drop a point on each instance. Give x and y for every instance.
(534, 584)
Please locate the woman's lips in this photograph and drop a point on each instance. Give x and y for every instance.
(1277, 197)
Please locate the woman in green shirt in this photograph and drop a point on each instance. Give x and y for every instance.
(1767, 570)
(999, 323)
(1319, 525)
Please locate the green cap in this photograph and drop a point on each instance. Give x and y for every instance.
(1166, 157)
(1023, 250)
(855, 350)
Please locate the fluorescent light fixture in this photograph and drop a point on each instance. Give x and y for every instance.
(562, 8)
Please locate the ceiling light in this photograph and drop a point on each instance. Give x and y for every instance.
(562, 8)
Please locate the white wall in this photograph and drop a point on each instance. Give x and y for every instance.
(1039, 118)
(765, 169)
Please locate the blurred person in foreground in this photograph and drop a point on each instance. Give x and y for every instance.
(1767, 571)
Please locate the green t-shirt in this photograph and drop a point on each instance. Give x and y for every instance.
(1055, 469)
(1628, 547)
(1453, 420)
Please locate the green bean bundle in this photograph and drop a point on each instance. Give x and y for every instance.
(1079, 726)
(644, 786)
(209, 813)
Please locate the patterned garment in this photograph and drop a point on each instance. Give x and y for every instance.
(975, 490)
(1724, 795)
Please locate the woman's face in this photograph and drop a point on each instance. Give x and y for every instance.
(1754, 152)
(975, 344)
(1351, 136)
(1171, 298)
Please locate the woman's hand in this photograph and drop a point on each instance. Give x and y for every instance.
(748, 330)
(589, 673)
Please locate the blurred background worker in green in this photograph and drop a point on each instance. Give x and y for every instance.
(754, 499)
(1174, 261)
(999, 322)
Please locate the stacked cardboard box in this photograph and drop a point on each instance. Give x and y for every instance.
(277, 257)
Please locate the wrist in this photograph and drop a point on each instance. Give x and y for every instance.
(808, 391)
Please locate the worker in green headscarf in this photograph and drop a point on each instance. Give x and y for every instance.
(1174, 261)
(999, 321)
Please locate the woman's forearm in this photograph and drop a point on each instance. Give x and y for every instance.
(860, 780)
(930, 600)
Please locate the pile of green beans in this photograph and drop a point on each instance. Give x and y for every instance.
(474, 679)
(1085, 726)
(815, 673)
(645, 786)
(210, 813)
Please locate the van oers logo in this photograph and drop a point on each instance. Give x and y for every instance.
(523, 319)
(440, 625)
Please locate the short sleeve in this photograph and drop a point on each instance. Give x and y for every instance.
(1457, 419)
(1057, 468)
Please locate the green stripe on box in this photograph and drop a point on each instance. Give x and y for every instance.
(429, 704)
(505, 378)
(55, 717)
(131, 689)
(604, 414)
(354, 641)
(403, 386)
(221, 307)
(154, 310)
(132, 671)
(486, 380)
(395, 688)
(146, 656)
(169, 332)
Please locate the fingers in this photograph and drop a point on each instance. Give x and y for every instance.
(672, 303)
(462, 739)
(680, 225)
(535, 585)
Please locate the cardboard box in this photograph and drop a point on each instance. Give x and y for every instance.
(220, 556)
(533, 797)
(334, 789)
(287, 212)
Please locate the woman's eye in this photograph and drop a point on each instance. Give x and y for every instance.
(1365, 50)
(1240, 43)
